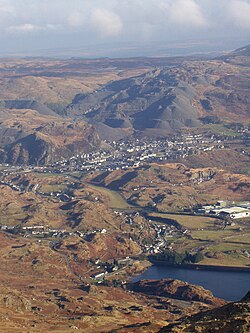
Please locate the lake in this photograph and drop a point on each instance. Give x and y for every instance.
(231, 286)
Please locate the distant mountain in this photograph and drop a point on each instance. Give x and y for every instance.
(167, 99)
(243, 51)
(156, 100)
(113, 99)
(240, 56)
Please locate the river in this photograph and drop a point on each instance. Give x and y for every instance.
(231, 286)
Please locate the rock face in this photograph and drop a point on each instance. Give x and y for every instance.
(15, 300)
(246, 298)
(176, 289)
(232, 317)
(29, 150)
(27, 137)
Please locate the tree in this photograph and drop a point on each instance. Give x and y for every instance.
(197, 257)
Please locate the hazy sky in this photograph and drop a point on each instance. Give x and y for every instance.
(40, 24)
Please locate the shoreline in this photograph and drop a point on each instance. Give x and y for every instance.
(202, 267)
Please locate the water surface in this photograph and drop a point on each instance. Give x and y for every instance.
(231, 286)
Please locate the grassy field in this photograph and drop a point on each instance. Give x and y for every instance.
(221, 246)
(220, 128)
(49, 175)
(214, 235)
(192, 222)
(114, 199)
(242, 237)
(53, 188)
(245, 171)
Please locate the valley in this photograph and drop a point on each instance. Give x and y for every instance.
(96, 242)
(109, 167)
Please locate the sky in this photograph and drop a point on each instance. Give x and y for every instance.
(33, 25)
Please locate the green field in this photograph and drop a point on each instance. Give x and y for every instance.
(114, 198)
(221, 246)
(192, 222)
(220, 128)
(53, 188)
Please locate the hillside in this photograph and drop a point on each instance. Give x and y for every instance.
(233, 317)
(177, 290)
(35, 93)
(38, 282)
(169, 193)
(55, 82)
(243, 51)
(111, 166)
(118, 98)
(239, 57)
(154, 100)
(227, 159)
(21, 104)
(51, 271)
(175, 186)
(30, 137)
(167, 99)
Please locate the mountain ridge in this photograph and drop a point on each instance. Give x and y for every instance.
(167, 99)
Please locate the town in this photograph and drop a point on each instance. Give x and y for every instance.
(124, 154)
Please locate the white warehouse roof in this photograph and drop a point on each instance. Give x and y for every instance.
(233, 210)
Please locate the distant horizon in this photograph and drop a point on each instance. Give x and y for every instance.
(36, 27)
(132, 49)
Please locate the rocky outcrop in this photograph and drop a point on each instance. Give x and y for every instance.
(29, 150)
(14, 300)
(232, 317)
(34, 139)
(176, 289)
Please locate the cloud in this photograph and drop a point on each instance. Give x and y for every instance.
(239, 12)
(76, 19)
(87, 22)
(187, 13)
(6, 7)
(23, 28)
(106, 22)
(30, 28)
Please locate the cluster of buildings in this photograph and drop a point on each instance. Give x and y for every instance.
(226, 210)
(124, 154)
(163, 233)
(63, 196)
(103, 269)
(41, 231)
(38, 231)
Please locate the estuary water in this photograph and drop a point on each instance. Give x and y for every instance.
(231, 286)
